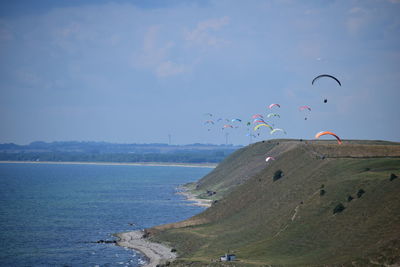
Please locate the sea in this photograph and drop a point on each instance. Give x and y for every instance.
(54, 214)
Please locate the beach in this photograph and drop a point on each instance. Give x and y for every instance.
(155, 253)
(167, 164)
(201, 202)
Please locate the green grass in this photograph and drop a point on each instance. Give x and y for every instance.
(287, 222)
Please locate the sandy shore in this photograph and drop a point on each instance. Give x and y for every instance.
(156, 253)
(197, 201)
(191, 165)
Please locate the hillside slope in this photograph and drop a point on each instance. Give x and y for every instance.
(290, 221)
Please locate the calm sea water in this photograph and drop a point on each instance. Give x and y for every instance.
(51, 215)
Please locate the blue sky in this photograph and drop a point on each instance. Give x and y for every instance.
(137, 71)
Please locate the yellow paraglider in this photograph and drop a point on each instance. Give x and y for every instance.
(262, 124)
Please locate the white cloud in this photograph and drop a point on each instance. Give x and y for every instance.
(357, 10)
(203, 33)
(169, 68)
(155, 55)
(357, 19)
(355, 24)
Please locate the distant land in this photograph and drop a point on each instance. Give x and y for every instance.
(317, 203)
(74, 151)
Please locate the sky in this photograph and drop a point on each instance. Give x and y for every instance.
(146, 71)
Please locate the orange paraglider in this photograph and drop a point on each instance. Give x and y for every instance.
(330, 133)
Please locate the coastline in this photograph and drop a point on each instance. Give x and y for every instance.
(155, 253)
(153, 164)
(201, 202)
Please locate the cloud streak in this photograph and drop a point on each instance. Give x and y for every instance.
(205, 33)
(155, 55)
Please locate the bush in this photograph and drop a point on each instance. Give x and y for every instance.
(360, 193)
(339, 208)
(277, 175)
(322, 192)
(349, 198)
(393, 176)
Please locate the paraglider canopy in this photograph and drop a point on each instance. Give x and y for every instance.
(262, 124)
(257, 116)
(325, 75)
(273, 115)
(274, 105)
(304, 107)
(276, 130)
(269, 158)
(330, 133)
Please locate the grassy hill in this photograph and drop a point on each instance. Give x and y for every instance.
(290, 221)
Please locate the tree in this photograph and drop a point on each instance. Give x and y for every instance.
(339, 208)
(277, 175)
(393, 176)
(360, 193)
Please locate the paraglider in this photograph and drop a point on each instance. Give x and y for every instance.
(262, 124)
(328, 76)
(269, 158)
(330, 133)
(227, 126)
(209, 123)
(274, 105)
(305, 108)
(325, 75)
(257, 116)
(257, 120)
(234, 120)
(276, 130)
(273, 115)
(208, 114)
(250, 135)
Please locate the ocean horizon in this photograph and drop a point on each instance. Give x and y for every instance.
(53, 214)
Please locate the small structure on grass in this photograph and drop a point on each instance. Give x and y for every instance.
(228, 257)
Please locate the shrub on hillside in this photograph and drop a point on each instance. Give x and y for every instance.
(339, 208)
(360, 193)
(349, 198)
(393, 176)
(322, 192)
(278, 175)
